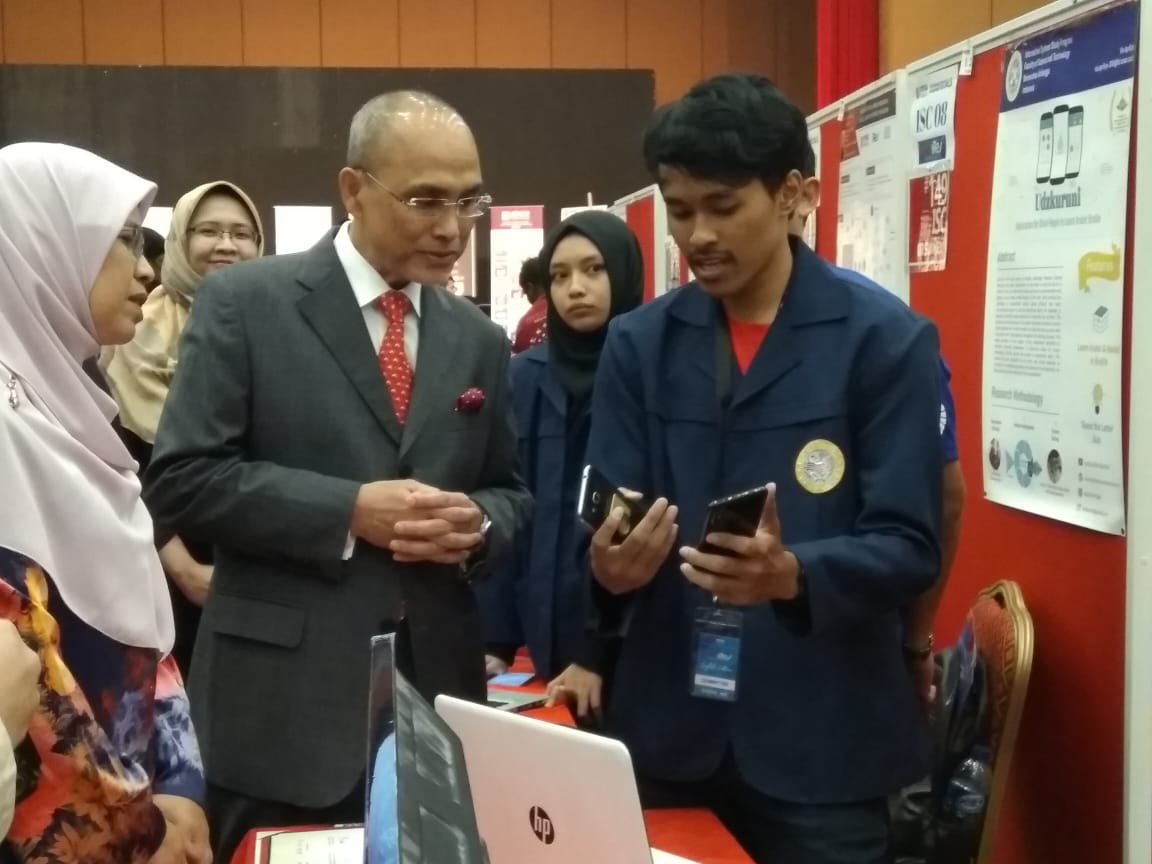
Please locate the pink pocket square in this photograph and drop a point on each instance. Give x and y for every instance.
(470, 400)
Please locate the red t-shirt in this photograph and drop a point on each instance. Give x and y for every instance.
(746, 338)
(533, 327)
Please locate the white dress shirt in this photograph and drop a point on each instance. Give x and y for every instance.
(369, 286)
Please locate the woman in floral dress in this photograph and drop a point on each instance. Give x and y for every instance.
(110, 772)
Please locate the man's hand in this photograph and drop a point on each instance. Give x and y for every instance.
(632, 564)
(194, 582)
(924, 679)
(190, 576)
(186, 841)
(756, 570)
(494, 666)
(443, 528)
(379, 506)
(172, 848)
(19, 679)
(579, 688)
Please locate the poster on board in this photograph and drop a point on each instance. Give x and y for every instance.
(159, 219)
(299, 227)
(933, 118)
(517, 234)
(873, 212)
(929, 202)
(809, 235)
(676, 270)
(462, 282)
(1054, 318)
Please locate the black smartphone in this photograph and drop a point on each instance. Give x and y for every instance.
(598, 498)
(737, 514)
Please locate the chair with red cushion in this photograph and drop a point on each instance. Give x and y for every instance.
(1004, 638)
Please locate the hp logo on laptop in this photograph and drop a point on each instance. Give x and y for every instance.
(542, 825)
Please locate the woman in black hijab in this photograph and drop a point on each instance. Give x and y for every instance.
(595, 272)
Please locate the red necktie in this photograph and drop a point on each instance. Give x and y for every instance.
(393, 359)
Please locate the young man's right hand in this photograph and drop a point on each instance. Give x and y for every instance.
(631, 564)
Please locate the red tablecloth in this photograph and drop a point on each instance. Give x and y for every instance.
(693, 834)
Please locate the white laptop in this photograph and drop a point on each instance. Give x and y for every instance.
(549, 794)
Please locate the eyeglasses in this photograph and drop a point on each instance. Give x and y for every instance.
(472, 207)
(132, 236)
(214, 233)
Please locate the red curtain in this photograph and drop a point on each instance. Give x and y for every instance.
(847, 47)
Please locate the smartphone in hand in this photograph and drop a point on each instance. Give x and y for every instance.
(598, 498)
(737, 514)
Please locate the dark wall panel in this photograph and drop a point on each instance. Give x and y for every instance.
(545, 136)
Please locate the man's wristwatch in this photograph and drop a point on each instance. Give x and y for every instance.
(921, 652)
(470, 565)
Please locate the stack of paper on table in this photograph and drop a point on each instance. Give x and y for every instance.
(313, 846)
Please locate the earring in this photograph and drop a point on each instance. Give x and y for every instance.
(13, 397)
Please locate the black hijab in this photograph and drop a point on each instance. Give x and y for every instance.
(574, 355)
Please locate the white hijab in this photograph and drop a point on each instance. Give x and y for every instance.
(69, 496)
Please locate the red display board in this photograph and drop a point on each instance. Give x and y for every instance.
(1066, 792)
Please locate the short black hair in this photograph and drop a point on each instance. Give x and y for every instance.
(531, 274)
(733, 128)
(809, 167)
(153, 243)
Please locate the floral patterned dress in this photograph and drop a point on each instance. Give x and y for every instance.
(112, 729)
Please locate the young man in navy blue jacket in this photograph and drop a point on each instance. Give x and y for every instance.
(764, 675)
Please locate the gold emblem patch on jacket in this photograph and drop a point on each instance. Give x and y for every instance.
(820, 466)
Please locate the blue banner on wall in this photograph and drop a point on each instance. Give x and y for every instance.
(1094, 52)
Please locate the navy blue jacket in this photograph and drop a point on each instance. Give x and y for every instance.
(947, 402)
(826, 710)
(541, 597)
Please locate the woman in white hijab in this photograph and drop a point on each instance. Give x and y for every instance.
(110, 771)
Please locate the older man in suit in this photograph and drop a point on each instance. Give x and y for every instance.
(339, 429)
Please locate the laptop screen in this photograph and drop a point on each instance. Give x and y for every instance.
(419, 802)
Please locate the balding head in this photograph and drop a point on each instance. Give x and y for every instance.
(383, 115)
(412, 185)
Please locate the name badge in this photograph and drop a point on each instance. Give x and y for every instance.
(716, 639)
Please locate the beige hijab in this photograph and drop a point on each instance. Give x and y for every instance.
(140, 372)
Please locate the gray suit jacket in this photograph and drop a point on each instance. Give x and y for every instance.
(277, 414)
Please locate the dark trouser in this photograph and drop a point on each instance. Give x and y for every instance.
(232, 815)
(778, 832)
